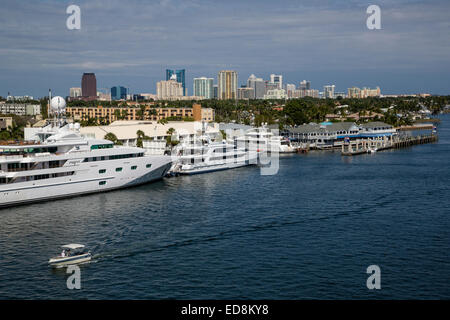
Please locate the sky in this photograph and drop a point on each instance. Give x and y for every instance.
(131, 43)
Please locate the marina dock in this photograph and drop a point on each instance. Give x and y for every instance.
(424, 126)
(362, 146)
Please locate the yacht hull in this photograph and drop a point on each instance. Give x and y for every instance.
(87, 180)
(212, 168)
(66, 261)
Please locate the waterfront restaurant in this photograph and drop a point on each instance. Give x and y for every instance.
(376, 129)
(328, 135)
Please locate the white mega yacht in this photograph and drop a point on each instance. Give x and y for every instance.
(207, 156)
(263, 140)
(61, 163)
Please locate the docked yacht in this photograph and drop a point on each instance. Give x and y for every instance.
(61, 163)
(264, 141)
(207, 156)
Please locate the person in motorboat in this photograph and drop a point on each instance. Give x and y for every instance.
(71, 254)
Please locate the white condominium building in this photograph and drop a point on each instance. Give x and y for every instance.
(204, 87)
(275, 94)
(169, 90)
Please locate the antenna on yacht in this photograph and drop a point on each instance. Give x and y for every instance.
(49, 102)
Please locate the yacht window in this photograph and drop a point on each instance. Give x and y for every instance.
(53, 164)
(118, 169)
(148, 165)
(102, 171)
(101, 146)
(102, 183)
(133, 167)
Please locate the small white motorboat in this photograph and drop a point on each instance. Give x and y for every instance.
(71, 254)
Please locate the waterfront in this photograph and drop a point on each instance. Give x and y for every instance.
(308, 232)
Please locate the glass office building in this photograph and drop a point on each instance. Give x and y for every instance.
(181, 77)
(119, 93)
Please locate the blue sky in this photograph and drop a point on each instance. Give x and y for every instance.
(131, 43)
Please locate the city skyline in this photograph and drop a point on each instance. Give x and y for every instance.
(408, 55)
(204, 88)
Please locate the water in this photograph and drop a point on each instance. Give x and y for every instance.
(310, 231)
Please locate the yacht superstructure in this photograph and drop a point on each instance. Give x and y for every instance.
(207, 156)
(61, 163)
(264, 141)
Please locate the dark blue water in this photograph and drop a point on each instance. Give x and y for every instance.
(310, 231)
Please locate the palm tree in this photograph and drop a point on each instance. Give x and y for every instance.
(142, 112)
(169, 141)
(113, 138)
(15, 131)
(140, 133)
(124, 114)
(163, 121)
(140, 138)
(117, 114)
(171, 131)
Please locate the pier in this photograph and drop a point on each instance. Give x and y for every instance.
(425, 126)
(362, 146)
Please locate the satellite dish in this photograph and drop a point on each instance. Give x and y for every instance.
(58, 104)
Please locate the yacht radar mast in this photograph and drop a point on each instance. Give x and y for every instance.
(58, 107)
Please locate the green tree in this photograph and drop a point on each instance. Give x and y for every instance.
(140, 137)
(296, 112)
(113, 138)
(169, 138)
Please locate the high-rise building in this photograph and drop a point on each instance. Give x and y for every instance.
(204, 87)
(271, 86)
(216, 91)
(277, 79)
(89, 86)
(305, 85)
(290, 88)
(258, 85)
(119, 93)
(180, 77)
(227, 84)
(169, 90)
(328, 91)
(367, 92)
(246, 93)
(356, 92)
(103, 96)
(275, 94)
(312, 93)
(305, 93)
(75, 92)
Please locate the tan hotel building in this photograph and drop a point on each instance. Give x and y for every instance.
(110, 113)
